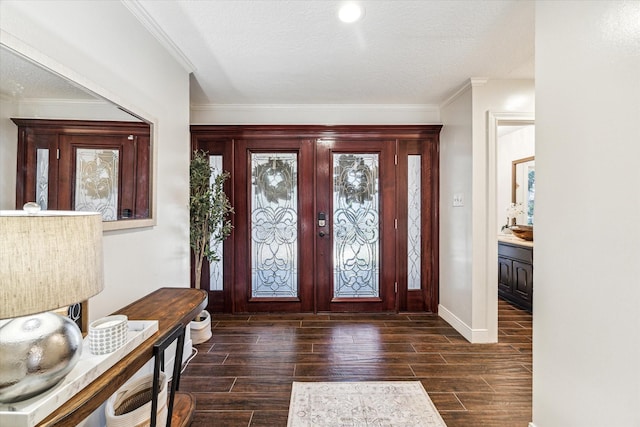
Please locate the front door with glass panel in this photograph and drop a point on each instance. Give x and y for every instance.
(317, 231)
(355, 242)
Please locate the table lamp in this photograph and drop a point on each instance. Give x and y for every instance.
(48, 260)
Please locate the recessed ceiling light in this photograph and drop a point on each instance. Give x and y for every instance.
(350, 12)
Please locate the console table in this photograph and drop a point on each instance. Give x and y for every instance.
(170, 307)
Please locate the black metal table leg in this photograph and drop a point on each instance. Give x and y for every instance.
(158, 351)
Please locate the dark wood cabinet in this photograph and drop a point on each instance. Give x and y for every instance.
(515, 274)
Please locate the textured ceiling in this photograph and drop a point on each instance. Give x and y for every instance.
(22, 79)
(298, 52)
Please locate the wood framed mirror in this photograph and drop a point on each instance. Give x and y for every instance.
(523, 177)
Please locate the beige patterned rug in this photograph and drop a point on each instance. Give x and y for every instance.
(362, 404)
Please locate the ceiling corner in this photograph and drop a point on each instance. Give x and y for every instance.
(138, 10)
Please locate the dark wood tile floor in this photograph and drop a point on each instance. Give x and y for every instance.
(242, 376)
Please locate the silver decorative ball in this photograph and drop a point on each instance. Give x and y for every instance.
(36, 352)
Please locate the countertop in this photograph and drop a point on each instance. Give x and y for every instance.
(510, 238)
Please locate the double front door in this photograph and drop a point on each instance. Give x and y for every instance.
(317, 224)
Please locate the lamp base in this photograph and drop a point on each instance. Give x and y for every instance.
(36, 352)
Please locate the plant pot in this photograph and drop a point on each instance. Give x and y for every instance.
(130, 406)
(200, 328)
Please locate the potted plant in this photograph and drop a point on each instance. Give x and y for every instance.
(209, 226)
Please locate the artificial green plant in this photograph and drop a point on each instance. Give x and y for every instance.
(209, 209)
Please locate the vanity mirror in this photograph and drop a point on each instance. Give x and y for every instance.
(523, 181)
(74, 149)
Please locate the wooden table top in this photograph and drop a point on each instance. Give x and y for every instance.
(170, 306)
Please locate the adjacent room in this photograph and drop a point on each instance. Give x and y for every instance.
(372, 167)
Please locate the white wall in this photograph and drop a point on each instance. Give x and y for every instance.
(361, 114)
(8, 132)
(468, 242)
(455, 222)
(586, 341)
(106, 49)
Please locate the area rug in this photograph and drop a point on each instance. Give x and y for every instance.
(362, 404)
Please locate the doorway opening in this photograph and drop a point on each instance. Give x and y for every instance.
(510, 259)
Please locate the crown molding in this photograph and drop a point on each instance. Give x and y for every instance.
(471, 83)
(141, 14)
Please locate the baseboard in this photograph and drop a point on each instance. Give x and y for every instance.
(475, 336)
(531, 424)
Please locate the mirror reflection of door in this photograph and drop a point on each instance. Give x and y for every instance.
(95, 166)
(327, 224)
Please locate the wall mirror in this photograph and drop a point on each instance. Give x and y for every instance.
(72, 146)
(523, 185)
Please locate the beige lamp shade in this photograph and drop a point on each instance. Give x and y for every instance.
(48, 260)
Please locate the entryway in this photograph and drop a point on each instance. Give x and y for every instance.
(327, 219)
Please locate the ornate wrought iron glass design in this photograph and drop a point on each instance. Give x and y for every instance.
(356, 226)
(274, 225)
(215, 267)
(414, 231)
(96, 186)
(42, 178)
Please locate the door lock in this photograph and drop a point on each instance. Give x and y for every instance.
(322, 219)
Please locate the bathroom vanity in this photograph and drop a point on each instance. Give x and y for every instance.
(515, 271)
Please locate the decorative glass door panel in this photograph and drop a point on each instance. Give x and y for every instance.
(414, 223)
(42, 178)
(355, 247)
(274, 225)
(96, 183)
(216, 267)
(356, 226)
(273, 231)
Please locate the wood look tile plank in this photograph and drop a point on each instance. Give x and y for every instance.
(371, 370)
(364, 348)
(483, 358)
(242, 401)
(455, 385)
(290, 357)
(395, 339)
(269, 418)
(462, 348)
(198, 370)
(388, 358)
(306, 339)
(510, 384)
(446, 402)
(468, 370)
(259, 347)
(206, 384)
(221, 418)
(488, 418)
(262, 384)
(501, 401)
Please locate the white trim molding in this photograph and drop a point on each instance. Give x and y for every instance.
(472, 82)
(138, 10)
(474, 336)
